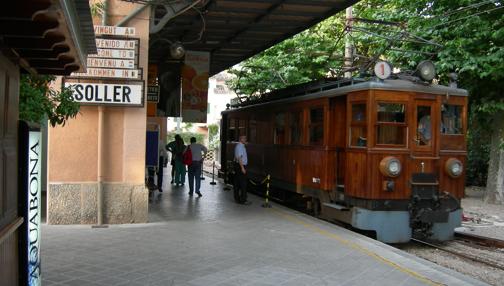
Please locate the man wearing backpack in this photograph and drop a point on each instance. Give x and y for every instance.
(198, 151)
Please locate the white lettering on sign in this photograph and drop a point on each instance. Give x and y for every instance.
(110, 63)
(34, 208)
(113, 30)
(115, 44)
(109, 73)
(107, 94)
(117, 54)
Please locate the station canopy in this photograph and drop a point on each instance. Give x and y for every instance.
(234, 30)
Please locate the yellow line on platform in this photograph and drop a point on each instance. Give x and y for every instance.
(356, 246)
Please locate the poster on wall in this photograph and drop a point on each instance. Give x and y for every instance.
(195, 87)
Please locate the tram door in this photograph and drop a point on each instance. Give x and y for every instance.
(423, 136)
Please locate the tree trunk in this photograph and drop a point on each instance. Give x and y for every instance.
(495, 183)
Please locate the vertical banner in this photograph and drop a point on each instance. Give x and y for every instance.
(195, 87)
(34, 208)
(30, 201)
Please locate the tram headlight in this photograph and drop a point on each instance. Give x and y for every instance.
(390, 166)
(454, 167)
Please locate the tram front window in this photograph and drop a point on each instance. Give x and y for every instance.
(451, 119)
(424, 126)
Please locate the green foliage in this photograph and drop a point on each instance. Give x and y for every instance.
(310, 55)
(97, 8)
(39, 102)
(186, 136)
(468, 37)
(213, 136)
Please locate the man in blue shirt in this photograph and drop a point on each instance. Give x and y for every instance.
(240, 168)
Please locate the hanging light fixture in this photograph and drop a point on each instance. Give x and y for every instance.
(177, 50)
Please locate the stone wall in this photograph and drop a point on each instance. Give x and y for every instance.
(77, 203)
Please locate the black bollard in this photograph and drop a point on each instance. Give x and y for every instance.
(213, 174)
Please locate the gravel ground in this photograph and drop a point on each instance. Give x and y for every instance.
(483, 272)
(480, 219)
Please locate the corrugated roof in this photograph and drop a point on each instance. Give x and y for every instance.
(238, 29)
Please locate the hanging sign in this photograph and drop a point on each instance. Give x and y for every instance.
(153, 93)
(34, 208)
(115, 44)
(111, 63)
(195, 87)
(114, 31)
(109, 73)
(113, 53)
(107, 94)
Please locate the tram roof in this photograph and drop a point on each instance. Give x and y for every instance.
(235, 30)
(338, 90)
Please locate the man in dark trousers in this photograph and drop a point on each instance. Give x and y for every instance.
(240, 168)
(198, 151)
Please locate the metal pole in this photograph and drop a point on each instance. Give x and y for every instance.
(213, 174)
(266, 203)
(99, 170)
(348, 42)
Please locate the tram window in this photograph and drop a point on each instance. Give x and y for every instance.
(391, 112)
(252, 131)
(231, 130)
(242, 129)
(295, 127)
(359, 112)
(317, 126)
(451, 119)
(279, 128)
(358, 127)
(391, 125)
(424, 126)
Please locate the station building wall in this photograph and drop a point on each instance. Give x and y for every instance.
(73, 152)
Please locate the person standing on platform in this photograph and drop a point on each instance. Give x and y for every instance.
(198, 151)
(180, 169)
(171, 147)
(240, 168)
(163, 157)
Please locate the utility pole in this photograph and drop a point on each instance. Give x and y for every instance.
(348, 43)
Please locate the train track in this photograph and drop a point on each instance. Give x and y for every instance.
(479, 240)
(473, 240)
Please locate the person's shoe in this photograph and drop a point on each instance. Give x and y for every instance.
(160, 190)
(199, 194)
(171, 182)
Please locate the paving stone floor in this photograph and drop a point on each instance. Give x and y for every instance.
(213, 241)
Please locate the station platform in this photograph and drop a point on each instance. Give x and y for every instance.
(213, 241)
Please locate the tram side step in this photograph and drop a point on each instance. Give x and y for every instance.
(336, 206)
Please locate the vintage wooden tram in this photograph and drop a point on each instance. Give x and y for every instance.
(381, 155)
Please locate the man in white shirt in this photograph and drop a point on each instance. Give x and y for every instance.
(197, 151)
(240, 167)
